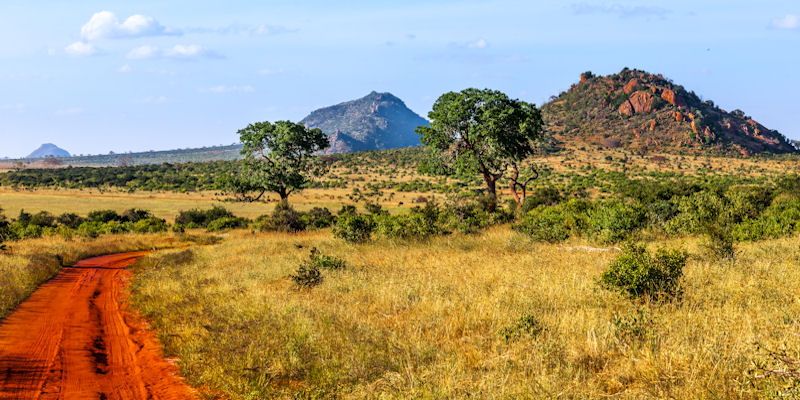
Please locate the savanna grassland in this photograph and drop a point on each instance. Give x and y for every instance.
(418, 292)
(493, 315)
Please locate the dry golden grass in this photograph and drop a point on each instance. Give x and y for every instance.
(424, 320)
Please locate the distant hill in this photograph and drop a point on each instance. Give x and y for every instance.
(377, 121)
(49, 150)
(212, 153)
(647, 112)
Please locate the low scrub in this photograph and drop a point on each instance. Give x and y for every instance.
(638, 273)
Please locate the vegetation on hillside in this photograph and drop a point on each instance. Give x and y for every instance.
(649, 113)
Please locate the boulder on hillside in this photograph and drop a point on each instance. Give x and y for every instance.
(672, 98)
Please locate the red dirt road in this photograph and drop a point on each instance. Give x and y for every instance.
(72, 339)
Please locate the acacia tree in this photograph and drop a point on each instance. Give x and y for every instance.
(483, 132)
(279, 158)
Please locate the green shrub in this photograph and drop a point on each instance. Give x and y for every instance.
(638, 273)
(318, 218)
(227, 223)
(354, 228)
(104, 216)
(43, 219)
(781, 218)
(556, 223)
(695, 212)
(201, 218)
(307, 276)
(286, 219)
(70, 220)
(614, 221)
(90, 229)
(150, 225)
(326, 262)
(418, 223)
(544, 196)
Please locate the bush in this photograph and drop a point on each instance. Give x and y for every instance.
(70, 220)
(43, 219)
(196, 218)
(307, 276)
(326, 262)
(90, 229)
(104, 216)
(614, 221)
(150, 225)
(418, 223)
(557, 223)
(135, 215)
(544, 196)
(354, 228)
(781, 218)
(227, 223)
(638, 273)
(286, 219)
(318, 218)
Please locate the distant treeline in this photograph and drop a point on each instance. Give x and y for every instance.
(172, 177)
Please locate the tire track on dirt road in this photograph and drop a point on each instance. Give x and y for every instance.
(73, 339)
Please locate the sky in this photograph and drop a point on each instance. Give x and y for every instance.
(99, 76)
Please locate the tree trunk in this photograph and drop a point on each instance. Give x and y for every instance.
(491, 191)
(284, 194)
(512, 186)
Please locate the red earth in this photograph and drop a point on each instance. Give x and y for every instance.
(75, 339)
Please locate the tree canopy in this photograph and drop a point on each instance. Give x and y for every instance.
(279, 157)
(480, 132)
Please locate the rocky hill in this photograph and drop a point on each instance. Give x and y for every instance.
(48, 150)
(646, 112)
(377, 121)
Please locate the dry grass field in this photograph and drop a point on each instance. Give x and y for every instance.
(491, 315)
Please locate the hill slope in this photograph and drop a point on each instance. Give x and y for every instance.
(377, 121)
(642, 111)
(48, 150)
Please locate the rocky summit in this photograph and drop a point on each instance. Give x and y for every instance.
(377, 121)
(646, 112)
(48, 150)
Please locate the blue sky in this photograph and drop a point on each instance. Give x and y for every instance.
(100, 76)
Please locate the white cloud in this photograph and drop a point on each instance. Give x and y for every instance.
(69, 111)
(144, 52)
(106, 25)
(228, 89)
(81, 49)
(478, 44)
(124, 68)
(788, 21)
(179, 51)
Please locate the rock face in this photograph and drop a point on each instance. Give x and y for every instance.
(670, 97)
(630, 86)
(377, 121)
(49, 150)
(640, 102)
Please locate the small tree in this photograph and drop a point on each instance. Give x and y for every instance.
(51, 161)
(480, 131)
(279, 158)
